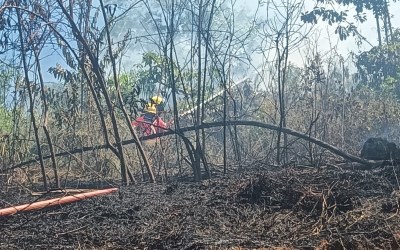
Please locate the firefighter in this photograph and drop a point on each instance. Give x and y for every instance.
(150, 122)
(153, 108)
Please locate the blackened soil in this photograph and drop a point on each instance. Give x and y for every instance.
(290, 208)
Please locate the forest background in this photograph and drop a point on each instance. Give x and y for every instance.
(73, 74)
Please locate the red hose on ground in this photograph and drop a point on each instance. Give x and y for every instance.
(54, 202)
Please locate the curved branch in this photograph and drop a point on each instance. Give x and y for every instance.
(288, 131)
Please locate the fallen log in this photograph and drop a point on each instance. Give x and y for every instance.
(54, 202)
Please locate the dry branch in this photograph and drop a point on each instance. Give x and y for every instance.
(288, 131)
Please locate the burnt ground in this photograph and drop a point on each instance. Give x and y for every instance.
(292, 208)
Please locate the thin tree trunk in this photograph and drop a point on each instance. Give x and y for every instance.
(31, 102)
(343, 104)
(206, 167)
(386, 27)
(378, 30)
(121, 103)
(171, 67)
(285, 67)
(387, 13)
(199, 88)
(45, 119)
(238, 157)
(281, 111)
(86, 25)
(71, 9)
(224, 128)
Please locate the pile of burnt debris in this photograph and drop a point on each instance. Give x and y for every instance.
(380, 149)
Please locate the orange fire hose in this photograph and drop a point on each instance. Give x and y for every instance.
(54, 202)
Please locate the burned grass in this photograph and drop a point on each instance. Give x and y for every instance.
(291, 208)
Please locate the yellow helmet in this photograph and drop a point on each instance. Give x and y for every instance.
(157, 99)
(150, 108)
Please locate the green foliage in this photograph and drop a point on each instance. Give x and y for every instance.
(380, 67)
(379, 9)
(150, 72)
(152, 75)
(330, 16)
(129, 91)
(6, 75)
(5, 121)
